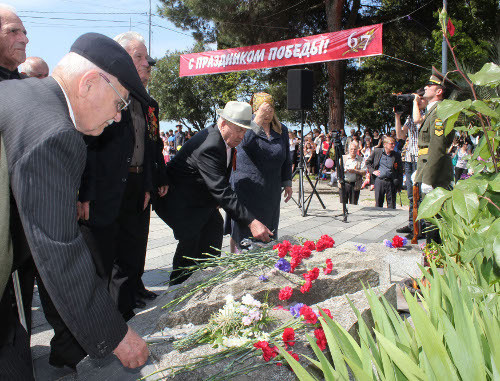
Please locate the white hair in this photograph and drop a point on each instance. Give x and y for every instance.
(8, 7)
(73, 64)
(124, 39)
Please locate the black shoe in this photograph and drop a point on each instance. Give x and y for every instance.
(410, 236)
(146, 294)
(57, 362)
(139, 303)
(404, 229)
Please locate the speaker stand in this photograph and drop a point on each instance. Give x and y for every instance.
(303, 173)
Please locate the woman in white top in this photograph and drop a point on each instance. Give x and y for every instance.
(461, 166)
(366, 151)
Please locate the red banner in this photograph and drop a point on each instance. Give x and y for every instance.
(351, 43)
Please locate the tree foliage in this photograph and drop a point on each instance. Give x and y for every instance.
(194, 100)
(413, 43)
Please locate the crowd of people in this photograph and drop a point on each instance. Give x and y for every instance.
(83, 163)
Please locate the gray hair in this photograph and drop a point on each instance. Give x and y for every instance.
(8, 8)
(124, 39)
(73, 64)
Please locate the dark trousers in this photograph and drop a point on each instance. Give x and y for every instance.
(352, 196)
(459, 172)
(410, 167)
(64, 348)
(15, 355)
(115, 250)
(131, 246)
(385, 189)
(205, 241)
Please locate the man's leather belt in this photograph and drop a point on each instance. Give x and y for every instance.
(135, 169)
(423, 151)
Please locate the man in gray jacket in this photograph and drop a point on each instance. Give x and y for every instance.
(42, 123)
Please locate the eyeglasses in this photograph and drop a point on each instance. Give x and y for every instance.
(124, 103)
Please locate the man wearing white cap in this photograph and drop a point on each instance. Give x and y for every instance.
(199, 177)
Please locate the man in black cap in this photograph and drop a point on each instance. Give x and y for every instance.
(125, 169)
(434, 167)
(42, 122)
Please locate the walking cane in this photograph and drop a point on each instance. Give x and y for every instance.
(20, 309)
(19, 300)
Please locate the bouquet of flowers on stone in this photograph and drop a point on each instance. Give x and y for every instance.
(244, 302)
(234, 325)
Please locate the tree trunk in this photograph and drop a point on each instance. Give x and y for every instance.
(336, 69)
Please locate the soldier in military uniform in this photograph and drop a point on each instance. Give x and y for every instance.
(434, 166)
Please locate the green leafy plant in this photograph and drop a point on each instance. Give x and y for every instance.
(453, 334)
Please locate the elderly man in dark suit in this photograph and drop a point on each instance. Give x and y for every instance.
(199, 185)
(125, 168)
(42, 123)
(386, 164)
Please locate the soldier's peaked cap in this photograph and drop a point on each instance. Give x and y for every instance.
(110, 56)
(437, 78)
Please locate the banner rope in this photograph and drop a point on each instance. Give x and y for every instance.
(408, 62)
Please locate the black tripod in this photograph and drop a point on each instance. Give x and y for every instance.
(301, 170)
(339, 166)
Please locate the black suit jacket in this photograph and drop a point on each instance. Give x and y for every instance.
(46, 157)
(199, 183)
(373, 162)
(108, 162)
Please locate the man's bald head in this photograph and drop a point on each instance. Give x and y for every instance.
(13, 38)
(34, 67)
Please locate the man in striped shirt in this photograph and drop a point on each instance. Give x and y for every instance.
(409, 155)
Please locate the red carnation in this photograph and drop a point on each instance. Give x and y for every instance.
(268, 352)
(285, 293)
(309, 315)
(321, 245)
(261, 344)
(312, 274)
(320, 338)
(328, 239)
(296, 251)
(289, 337)
(309, 245)
(327, 312)
(283, 248)
(324, 242)
(294, 263)
(397, 241)
(306, 287)
(329, 266)
(294, 355)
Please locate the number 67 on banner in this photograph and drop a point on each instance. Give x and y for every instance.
(359, 43)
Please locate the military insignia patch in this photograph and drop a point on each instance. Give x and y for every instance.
(438, 127)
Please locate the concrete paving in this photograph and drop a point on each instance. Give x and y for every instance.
(365, 224)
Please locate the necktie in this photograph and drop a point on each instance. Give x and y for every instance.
(234, 159)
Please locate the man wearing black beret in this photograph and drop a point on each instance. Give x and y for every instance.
(42, 122)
